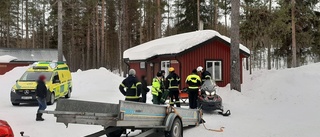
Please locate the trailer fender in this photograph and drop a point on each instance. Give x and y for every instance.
(169, 121)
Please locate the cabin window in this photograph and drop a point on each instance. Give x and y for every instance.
(215, 68)
(142, 65)
(165, 65)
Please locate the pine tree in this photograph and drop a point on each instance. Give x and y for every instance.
(113, 57)
(102, 29)
(293, 28)
(189, 20)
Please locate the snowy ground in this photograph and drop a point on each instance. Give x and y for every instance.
(283, 103)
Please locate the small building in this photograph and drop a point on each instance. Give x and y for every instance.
(185, 52)
(14, 57)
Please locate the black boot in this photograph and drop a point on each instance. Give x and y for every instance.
(39, 117)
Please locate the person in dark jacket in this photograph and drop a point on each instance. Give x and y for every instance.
(205, 75)
(41, 94)
(194, 82)
(163, 73)
(132, 86)
(172, 83)
(144, 88)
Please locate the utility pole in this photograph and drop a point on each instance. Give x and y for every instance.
(60, 53)
(294, 46)
(198, 13)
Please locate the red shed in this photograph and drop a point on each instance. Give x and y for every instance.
(185, 52)
(15, 57)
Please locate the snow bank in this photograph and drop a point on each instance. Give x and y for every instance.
(6, 58)
(97, 85)
(173, 44)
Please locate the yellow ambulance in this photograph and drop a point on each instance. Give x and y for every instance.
(58, 82)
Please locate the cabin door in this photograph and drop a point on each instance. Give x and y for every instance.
(165, 65)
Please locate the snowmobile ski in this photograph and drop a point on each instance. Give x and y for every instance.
(227, 113)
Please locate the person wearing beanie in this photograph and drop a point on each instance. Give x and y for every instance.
(41, 94)
(194, 82)
(172, 83)
(132, 72)
(132, 86)
(156, 89)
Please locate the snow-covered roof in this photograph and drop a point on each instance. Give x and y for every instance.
(7, 58)
(30, 55)
(174, 44)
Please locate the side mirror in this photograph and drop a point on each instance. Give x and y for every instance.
(56, 81)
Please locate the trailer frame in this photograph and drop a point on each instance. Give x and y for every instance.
(117, 118)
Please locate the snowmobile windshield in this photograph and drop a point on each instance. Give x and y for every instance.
(208, 85)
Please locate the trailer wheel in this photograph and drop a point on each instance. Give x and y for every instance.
(116, 133)
(176, 129)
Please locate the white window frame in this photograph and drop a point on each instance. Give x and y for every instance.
(212, 71)
(166, 67)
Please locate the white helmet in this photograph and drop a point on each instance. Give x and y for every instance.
(200, 69)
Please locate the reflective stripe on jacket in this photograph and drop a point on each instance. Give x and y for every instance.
(206, 75)
(173, 81)
(194, 81)
(156, 85)
(132, 86)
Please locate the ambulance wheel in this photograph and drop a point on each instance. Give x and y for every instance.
(68, 94)
(176, 129)
(15, 104)
(52, 99)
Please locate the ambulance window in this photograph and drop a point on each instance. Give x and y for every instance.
(56, 76)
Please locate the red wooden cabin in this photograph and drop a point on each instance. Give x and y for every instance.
(185, 52)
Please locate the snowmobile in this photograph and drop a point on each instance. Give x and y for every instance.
(209, 99)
